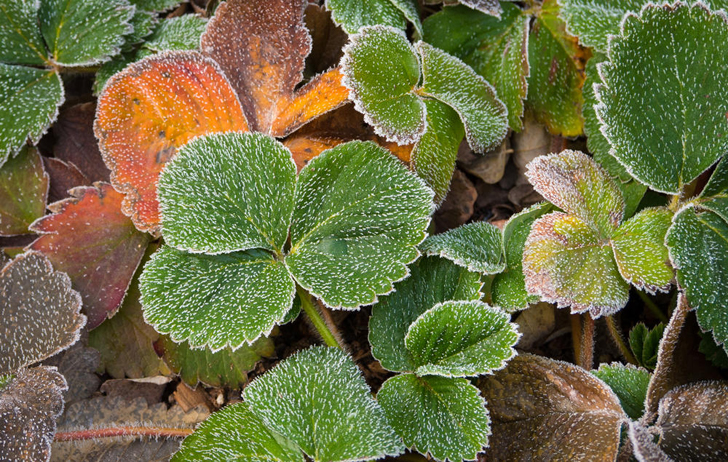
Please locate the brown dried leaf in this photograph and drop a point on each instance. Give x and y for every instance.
(327, 40)
(77, 144)
(553, 409)
(63, 176)
(23, 192)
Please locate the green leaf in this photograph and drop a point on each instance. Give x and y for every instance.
(640, 251)
(381, 71)
(593, 21)
(228, 192)
(434, 155)
(180, 33)
(475, 246)
(698, 244)
(713, 353)
(669, 135)
(556, 78)
(30, 104)
(435, 415)
(461, 339)
(566, 262)
(358, 218)
(433, 280)
(509, 287)
(497, 49)
(352, 16)
(491, 7)
(215, 300)
(644, 343)
(318, 399)
(451, 81)
(629, 383)
(20, 39)
(236, 433)
(23, 192)
(573, 182)
(142, 24)
(410, 10)
(715, 194)
(225, 368)
(155, 5)
(84, 32)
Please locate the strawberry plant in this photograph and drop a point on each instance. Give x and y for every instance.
(290, 230)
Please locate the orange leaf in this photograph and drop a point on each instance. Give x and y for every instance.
(304, 148)
(148, 111)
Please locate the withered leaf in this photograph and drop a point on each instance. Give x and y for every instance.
(76, 142)
(23, 192)
(63, 177)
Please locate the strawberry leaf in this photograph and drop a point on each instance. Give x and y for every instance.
(629, 383)
(20, 39)
(23, 192)
(593, 21)
(352, 16)
(491, 7)
(644, 343)
(715, 194)
(475, 246)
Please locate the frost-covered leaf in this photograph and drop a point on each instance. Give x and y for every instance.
(434, 155)
(461, 339)
(352, 16)
(698, 244)
(180, 33)
(629, 383)
(358, 218)
(155, 5)
(693, 422)
(89, 238)
(451, 81)
(669, 135)
(30, 104)
(594, 20)
(440, 416)
(84, 32)
(148, 111)
(491, 7)
(715, 194)
(20, 39)
(640, 251)
(228, 192)
(381, 71)
(23, 192)
(224, 368)
(39, 312)
(319, 399)
(509, 287)
(75, 142)
(236, 433)
(497, 49)
(476, 246)
(644, 343)
(575, 183)
(566, 262)
(29, 406)
(142, 23)
(551, 408)
(433, 280)
(215, 300)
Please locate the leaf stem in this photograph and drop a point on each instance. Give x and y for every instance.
(583, 340)
(619, 340)
(654, 309)
(155, 432)
(326, 331)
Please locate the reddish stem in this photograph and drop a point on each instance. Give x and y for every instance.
(155, 432)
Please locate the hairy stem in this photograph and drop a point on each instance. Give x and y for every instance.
(618, 338)
(586, 342)
(654, 309)
(154, 432)
(325, 330)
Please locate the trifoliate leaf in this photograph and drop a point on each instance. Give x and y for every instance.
(629, 383)
(89, 238)
(497, 49)
(593, 21)
(381, 71)
(553, 409)
(715, 194)
(148, 111)
(461, 339)
(224, 368)
(236, 433)
(475, 246)
(433, 280)
(644, 343)
(566, 262)
(30, 104)
(23, 192)
(352, 16)
(698, 244)
(84, 32)
(435, 415)
(358, 218)
(180, 33)
(319, 400)
(669, 135)
(448, 79)
(434, 155)
(575, 183)
(29, 407)
(20, 39)
(40, 314)
(556, 73)
(640, 251)
(228, 192)
(215, 300)
(509, 287)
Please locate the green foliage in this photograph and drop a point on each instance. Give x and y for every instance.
(475, 246)
(352, 16)
(629, 383)
(644, 343)
(20, 38)
(715, 194)
(23, 177)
